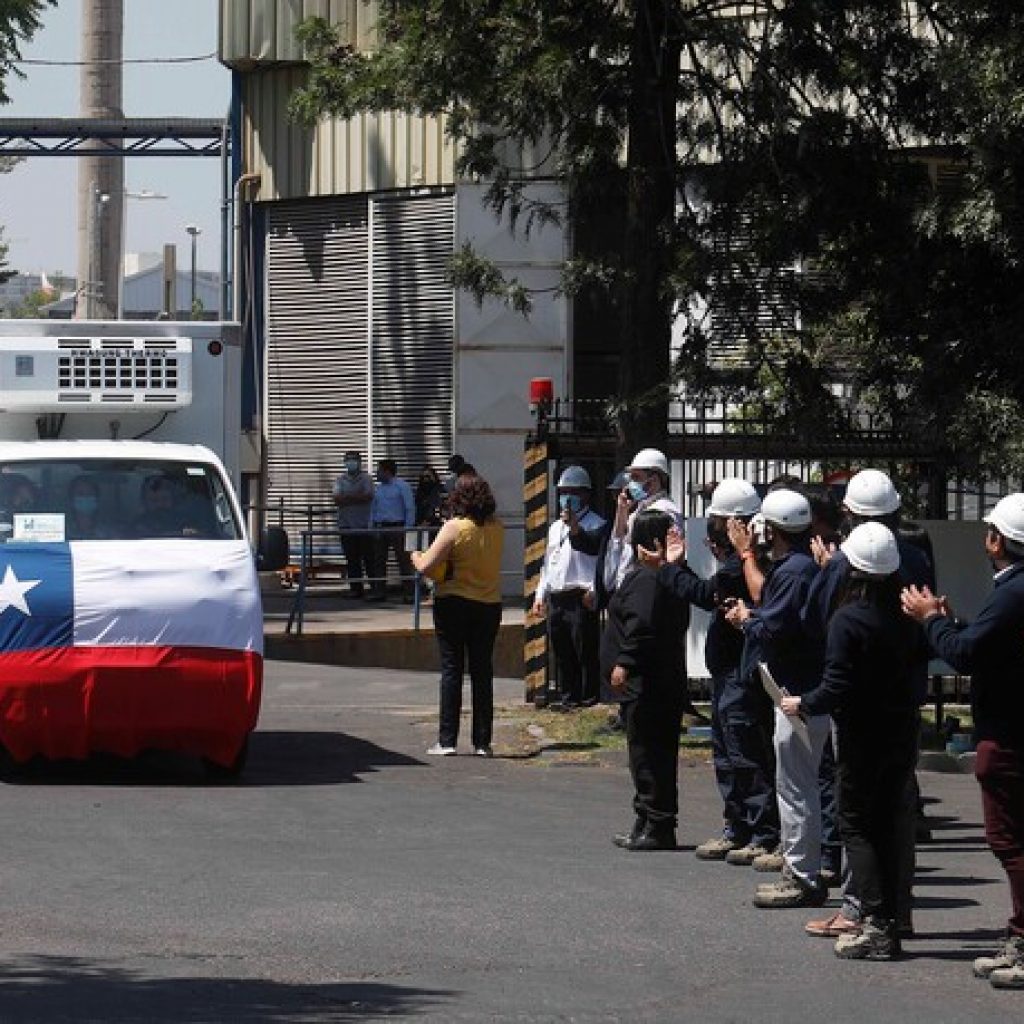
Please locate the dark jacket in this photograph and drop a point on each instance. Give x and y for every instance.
(774, 632)
(595, 542)
(868, 678)
(991, 650)
(915, 568)
(723, 649)
(642, 634)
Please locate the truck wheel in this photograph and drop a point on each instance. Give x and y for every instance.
(216, 772)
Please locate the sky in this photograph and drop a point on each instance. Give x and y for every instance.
(38, 199)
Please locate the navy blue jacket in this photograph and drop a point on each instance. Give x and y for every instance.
(723, 649)
(774, 632)
(642, 634)
(991, 650)
(915, 568)
(595, 542)
(870, 666)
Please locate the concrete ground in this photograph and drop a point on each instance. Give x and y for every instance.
(350, 877)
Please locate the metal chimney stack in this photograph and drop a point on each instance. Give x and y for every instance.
(100, 178)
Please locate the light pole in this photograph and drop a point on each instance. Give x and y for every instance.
(195, 233)
(143, 193)
(94, 285)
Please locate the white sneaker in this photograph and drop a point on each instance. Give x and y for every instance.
(484, 752)
(440, 750)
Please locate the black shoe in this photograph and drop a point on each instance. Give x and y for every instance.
(652, 839)
(625, 839)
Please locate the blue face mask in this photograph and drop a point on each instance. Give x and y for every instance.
(86, 504)
(636, 490)
(570, 502)
(352, 466)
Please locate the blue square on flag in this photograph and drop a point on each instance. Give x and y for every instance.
(37, 603)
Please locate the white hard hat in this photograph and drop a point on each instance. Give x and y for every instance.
(871, 493)
(1008, 517)
(789, 510)
(650, 458)
(574, 476)
(871, 548)
(734, 497)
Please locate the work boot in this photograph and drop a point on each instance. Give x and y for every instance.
(653, 837)
(625, 839)
(746, 855)
(791, 893)
(876, 940)
(716, 849)
(1009, 957)
(1008, 977)
(769, 862)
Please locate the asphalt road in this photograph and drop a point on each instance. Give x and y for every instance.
(352, 878)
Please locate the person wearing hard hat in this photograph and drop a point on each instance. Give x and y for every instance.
(639, 658)
(774, 636)
(565, 593)
(647, 488)
(870, 497)
(741, 713)
(989, 650)
(868, 686)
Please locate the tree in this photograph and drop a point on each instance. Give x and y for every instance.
(770, 160)
(19, 20)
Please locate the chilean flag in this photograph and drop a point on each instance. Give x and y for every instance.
(123, 646)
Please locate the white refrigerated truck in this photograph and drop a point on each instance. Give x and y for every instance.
(129, 602)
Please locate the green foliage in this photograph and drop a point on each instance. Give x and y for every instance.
(19, 21)
(799, 164)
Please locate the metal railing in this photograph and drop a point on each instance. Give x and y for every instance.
(308, 551)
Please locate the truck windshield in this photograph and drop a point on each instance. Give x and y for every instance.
(113, 499)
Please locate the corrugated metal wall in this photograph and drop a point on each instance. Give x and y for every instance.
(370, 153)
(264, 30)
(360, 328)
(413, 341)
(317, 342)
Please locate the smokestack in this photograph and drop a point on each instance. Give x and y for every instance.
(100, 179)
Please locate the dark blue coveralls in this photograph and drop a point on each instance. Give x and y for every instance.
(741, 713)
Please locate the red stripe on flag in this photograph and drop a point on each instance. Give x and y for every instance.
(73, 701)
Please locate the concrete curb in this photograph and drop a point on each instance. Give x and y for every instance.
(940, 761)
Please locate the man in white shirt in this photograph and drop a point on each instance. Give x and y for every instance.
(565, 593)
(647, 488)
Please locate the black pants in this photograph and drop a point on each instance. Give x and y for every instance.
(573, 631)
(358, 548)
(872, 775)
(466, 629)
(653, 726)
(392, 539)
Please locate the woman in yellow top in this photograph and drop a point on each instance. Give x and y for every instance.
(464, 561)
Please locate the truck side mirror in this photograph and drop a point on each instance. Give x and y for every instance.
(272, 555)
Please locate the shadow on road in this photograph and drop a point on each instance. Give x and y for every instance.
(49, 989)
(276, 758)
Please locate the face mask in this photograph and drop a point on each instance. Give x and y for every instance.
(570, 502)
(86, 504)
(352, 466)
(636, 490)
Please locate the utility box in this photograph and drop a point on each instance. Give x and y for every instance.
(115, 380)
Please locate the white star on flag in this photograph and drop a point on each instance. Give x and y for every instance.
(13, 591)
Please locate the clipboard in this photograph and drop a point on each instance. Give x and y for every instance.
(776, 693)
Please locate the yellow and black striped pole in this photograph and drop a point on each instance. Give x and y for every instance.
(535, 509)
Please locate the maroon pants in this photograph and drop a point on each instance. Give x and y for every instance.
(1000, 772)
